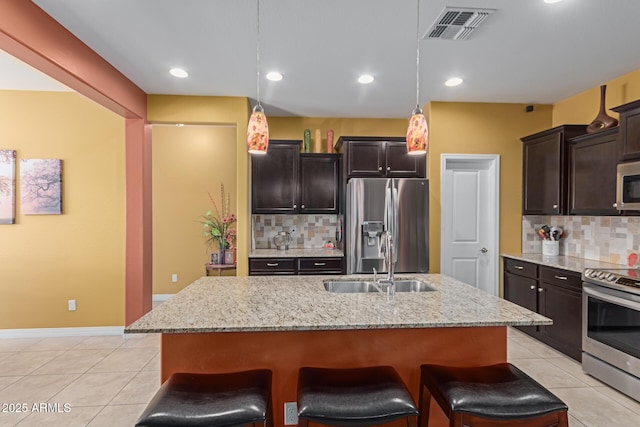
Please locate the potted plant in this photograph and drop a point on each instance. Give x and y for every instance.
(218, 226)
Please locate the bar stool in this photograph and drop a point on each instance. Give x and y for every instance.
(353, 397)
(495, 395)
(212, 400)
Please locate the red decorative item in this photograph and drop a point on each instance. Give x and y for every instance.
(632, 259)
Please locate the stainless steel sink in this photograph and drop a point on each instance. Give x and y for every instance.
(362, 286)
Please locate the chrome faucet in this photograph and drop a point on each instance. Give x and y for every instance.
(388, 258)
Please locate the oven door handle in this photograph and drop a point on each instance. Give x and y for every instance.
(589, 290)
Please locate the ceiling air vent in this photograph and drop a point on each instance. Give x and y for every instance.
(456, 23)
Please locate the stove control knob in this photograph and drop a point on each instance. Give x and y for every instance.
(611, 277)
(587, 272)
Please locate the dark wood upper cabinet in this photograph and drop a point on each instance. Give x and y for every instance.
(545, 170)
(274, 178)
(283, 181)
(371, 157)
(319, 183)
(629, 134)
(592, 173)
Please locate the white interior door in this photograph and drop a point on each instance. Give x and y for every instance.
(469, 219)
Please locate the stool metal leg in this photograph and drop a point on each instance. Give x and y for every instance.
(424, 404)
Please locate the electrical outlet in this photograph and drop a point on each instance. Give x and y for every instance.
(290, 413)
(71, 304)
(174, 278)
(292, 229)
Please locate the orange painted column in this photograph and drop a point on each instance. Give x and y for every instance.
(31, 35)
(285, 352)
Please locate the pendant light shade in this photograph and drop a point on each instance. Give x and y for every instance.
(258, 129)
(258, 132)
(417, 133)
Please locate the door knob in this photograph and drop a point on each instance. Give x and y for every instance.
(484, 250)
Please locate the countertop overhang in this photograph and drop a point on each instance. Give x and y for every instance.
(563, 262)
(297, 253)
(301, 303)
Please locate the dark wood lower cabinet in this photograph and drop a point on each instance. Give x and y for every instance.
(554, 293)
(292, 266)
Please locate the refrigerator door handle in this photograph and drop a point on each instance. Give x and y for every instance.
(394, 231)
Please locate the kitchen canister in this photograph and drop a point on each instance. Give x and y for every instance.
(550, 247)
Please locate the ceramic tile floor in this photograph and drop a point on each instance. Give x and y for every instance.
(107, 381)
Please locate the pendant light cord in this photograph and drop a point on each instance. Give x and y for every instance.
(258, 53)
(418, 55)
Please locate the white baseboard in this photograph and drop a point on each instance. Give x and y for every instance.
(61, 332)
(161, 297)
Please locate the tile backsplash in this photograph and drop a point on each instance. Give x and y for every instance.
(602, 238)
(312, 231)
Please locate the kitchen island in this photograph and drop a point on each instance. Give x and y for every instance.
(221, 324)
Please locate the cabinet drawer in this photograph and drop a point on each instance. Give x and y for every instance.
(521, 268)
(266, 266)
(320, 265)
(564, 278)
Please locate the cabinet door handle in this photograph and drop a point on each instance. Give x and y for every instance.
(518, 267)
(272, 264)
(532, 287)
(388, 168)
(379, 168)
(561, 277)
(295, 206)
(615, 205)
(302, 206)
(319, 264)
(540, 289)
(555, 206)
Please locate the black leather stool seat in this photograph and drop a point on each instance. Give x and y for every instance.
(212, 400)
(353, 397)
(499, 391)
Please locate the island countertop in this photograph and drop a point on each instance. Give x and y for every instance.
(301, 303)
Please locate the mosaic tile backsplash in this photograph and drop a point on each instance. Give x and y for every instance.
(601, 238)
(312, 231)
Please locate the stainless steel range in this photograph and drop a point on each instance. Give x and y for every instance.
(611, 327)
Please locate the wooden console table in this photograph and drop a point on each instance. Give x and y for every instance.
(218, 267)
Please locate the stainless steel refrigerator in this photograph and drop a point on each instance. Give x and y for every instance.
(375, 205)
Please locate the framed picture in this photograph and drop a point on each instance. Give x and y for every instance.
(214, 259)
(7, 186)
(228, 257)
(41, 186)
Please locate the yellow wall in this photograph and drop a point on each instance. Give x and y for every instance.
(46, 260)
(188, 162)
(293, 127)
(584, 107)
(215, 110)
(477, 128)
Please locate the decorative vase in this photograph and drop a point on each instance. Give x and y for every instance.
(317, 144)
(220, 256)
(602, 120)
(330, 141)
(307, 140)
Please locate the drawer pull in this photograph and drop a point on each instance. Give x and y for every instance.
(532, 287)
(540, 290)
(272, 264)
(561, 277)
(319, 264)
(518, 267)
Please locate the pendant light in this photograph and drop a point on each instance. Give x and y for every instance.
(258, 129)
(417, 133)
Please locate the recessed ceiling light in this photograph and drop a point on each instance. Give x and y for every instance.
(274, 76)
(454, 81)
(180, 125)
(179, 72)
(365, 79)
(552, 1)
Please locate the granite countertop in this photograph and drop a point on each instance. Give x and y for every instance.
(300, 303)
(564, 262)
(296, 253)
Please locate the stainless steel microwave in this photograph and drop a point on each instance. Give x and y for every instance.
(628, 186)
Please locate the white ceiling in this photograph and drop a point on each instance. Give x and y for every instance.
(527, 52)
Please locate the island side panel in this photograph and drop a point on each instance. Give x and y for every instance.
(284, 352)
